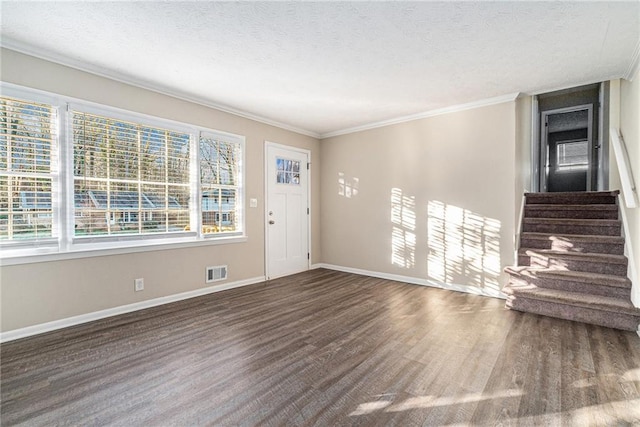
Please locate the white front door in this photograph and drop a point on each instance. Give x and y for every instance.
(287, 213)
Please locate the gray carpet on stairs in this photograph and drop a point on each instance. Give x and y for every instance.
(571, 262)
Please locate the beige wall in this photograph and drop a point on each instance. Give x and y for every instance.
(522, 150)
(624, 114)
(630, 130)
(614, 122)
(36, 293)
(430, 199)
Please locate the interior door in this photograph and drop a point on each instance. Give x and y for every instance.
(287, 210)
(570, 157)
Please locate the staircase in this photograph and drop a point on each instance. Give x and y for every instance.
(571, 262)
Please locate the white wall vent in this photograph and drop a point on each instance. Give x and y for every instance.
(215, 274)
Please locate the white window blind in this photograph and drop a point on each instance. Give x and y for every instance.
(129, 178)
(27, 164)
(573, 154)
(220, 183)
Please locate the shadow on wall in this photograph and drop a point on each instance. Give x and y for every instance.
(463, 247)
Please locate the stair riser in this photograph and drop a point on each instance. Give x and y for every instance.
(571, 286)
(530, 212)
(573, 246)
(572, 199)
(610, 319)
(613, 230)
(590, 266)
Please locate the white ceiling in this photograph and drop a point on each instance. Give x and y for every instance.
(323, 68)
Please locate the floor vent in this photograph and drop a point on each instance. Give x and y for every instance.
(215, 274)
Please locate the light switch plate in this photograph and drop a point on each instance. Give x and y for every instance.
(253, 203)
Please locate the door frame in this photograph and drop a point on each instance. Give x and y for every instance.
(544, 168)
(603, 136)
(307, 153)
(602, 143)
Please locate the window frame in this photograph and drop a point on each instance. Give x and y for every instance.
(54, 172)
(64, 244)
(126, 117)
(239, 187)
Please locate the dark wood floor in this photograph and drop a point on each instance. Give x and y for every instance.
(325, 348)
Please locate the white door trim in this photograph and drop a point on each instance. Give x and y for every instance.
(306, 152)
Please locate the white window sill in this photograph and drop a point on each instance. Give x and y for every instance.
(47, 254)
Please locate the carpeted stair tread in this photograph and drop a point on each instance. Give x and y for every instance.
(602, 211)
(574, 261)
(574, 221)
(576, 207)
(595, 316)
(586, 197)
(574, 281)
(579, 256)
(583, 243)
(573, 298)
(578, 237)
(574, 276)
(598, 227)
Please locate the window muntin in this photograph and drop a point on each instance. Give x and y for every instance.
(28, 137)
(129, 178)
(220, 183)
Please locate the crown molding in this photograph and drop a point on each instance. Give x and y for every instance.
(423, 115)
(25, 49)
(634, 65)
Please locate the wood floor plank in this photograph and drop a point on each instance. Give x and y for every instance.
(324, 348)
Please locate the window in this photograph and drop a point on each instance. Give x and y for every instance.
(573, 154)
(288, 171)
(111, 178)
(27, 153)
(219, 182)
(128, 177)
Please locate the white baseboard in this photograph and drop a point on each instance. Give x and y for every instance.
(416, 281)
(97, 315)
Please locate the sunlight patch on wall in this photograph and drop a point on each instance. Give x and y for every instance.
(403, 233)
(347, 187)
(464, 247)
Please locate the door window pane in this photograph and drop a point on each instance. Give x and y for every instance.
(288, 171)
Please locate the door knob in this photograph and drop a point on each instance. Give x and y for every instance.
(272, 222)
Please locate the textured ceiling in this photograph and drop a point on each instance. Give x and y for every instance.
(329, 66)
